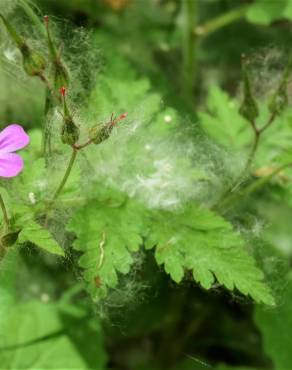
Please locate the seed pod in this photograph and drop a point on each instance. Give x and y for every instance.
(70, 132)
(248, 108)
(101, 132)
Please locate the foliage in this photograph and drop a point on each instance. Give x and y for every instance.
(141, 239)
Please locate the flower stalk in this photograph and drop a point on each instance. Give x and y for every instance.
(5, 214)
(67, 173)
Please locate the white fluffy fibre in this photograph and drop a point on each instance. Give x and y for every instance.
(162, 172)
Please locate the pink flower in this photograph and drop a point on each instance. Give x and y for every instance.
(12, 138)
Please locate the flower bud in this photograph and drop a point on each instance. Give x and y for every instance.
(8, 240)
(99, 133)
(70, 132)
(61, 74)
(279, 99)
(102, 132)
(33, 62)
(248, 108)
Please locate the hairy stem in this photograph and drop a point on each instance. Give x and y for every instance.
(257, 135)
(221, 21)
(67, 173)
(5, 214)
(234, 198)
(189, 14)
(81, 146)
(50, 98)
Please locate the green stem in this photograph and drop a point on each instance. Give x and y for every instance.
(252, 187)
(67, 173)
(189, 15)
(221, 21)
(5, 214)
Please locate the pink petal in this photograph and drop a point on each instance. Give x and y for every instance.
(12, 138)
(11, 164)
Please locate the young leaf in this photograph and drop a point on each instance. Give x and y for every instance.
(203, 242)
(40, 237)
(107, 237)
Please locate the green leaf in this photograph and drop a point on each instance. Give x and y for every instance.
(226, 367)
(223, 122)
(107, 236)
(32, 338)
(276, 327)
(40, 237)
(265, 12)
(200, 241)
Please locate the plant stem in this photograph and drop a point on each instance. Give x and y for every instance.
(221, 21)
(252, 187)
(189, 14)
(67, 173)
(81, 146)
(5, 214)
(257, 135)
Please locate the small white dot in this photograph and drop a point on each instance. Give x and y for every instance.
(167, 118)
(45, 298)
(31, 197)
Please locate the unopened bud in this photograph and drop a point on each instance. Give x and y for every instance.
(248, 108)
(280, 99)
(102, 132)
(33, 62)
(61, 74)
(70, 132)
(9, 239)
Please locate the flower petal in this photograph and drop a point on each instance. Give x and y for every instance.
(11, 164)
(12, 138)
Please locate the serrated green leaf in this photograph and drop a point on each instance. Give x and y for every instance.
(204, 243)
(224, 125)
(41, 237)
(107, 237)
(223, 122)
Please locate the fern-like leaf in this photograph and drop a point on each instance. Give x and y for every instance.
(204, 243)
(107, 237)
